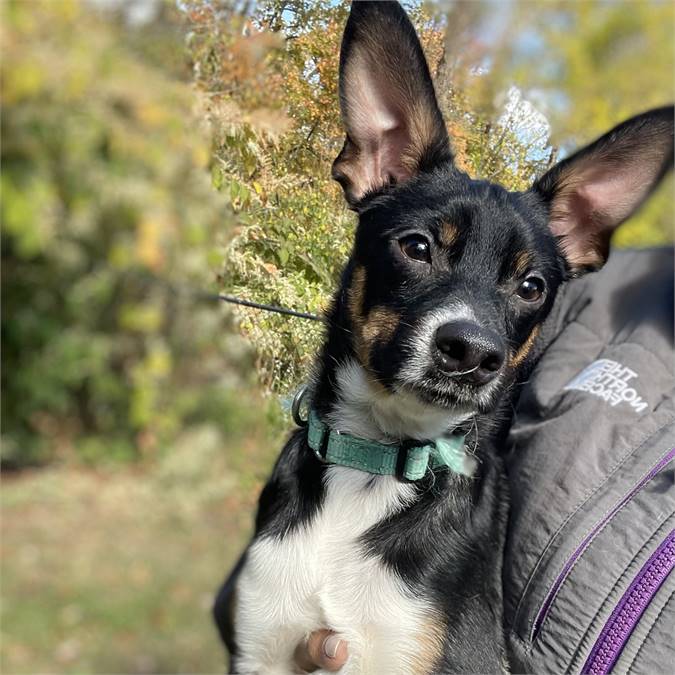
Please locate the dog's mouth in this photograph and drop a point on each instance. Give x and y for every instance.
(445, 391)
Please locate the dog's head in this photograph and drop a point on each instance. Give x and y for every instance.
(450, 278)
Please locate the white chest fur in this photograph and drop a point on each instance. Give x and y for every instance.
(319, 577)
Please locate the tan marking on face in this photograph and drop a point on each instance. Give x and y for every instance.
(522, 353)
(449, 234)
(355, 296)
(430, 641)
(380, 325)
(522, 263)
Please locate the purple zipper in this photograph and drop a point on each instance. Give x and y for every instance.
(553, 591)
(631, 607)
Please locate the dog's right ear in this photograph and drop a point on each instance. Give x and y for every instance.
(389, 110)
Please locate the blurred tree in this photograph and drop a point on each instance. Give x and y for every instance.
(107, 212)
(591, 65)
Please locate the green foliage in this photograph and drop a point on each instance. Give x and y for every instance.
(107, 216)
(273, 144)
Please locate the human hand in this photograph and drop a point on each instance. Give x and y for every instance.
(323, 649)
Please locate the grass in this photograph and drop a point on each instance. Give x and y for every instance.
(114, 570)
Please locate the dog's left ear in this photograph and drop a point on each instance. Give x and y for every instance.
(389, 110)
(592, 192)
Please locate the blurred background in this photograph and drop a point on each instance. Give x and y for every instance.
(155, 152)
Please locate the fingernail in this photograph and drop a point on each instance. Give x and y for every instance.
(331, 645)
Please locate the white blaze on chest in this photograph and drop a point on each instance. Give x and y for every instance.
(319, 577)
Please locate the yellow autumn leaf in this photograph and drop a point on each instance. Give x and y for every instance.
(148, 244)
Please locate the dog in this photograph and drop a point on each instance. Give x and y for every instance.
(384, 518)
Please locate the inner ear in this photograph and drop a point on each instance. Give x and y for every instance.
(599, 187)
(389, 110)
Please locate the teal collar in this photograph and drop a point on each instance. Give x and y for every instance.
(408, 460)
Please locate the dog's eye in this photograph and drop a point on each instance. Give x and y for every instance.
(416, 247)
(531, 289)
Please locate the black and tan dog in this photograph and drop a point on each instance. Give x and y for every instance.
(437, 314)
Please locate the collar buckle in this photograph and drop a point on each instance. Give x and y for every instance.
(414, 459)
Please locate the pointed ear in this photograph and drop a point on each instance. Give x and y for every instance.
(389, 110)
(592, 192)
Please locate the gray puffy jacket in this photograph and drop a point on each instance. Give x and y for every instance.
(591, 542)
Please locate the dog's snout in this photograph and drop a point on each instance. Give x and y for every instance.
(468, 352)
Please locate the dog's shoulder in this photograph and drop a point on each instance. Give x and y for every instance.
(294, 491)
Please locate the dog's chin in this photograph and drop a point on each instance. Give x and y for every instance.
(441, 391)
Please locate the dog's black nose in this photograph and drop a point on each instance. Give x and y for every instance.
(468, 352)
